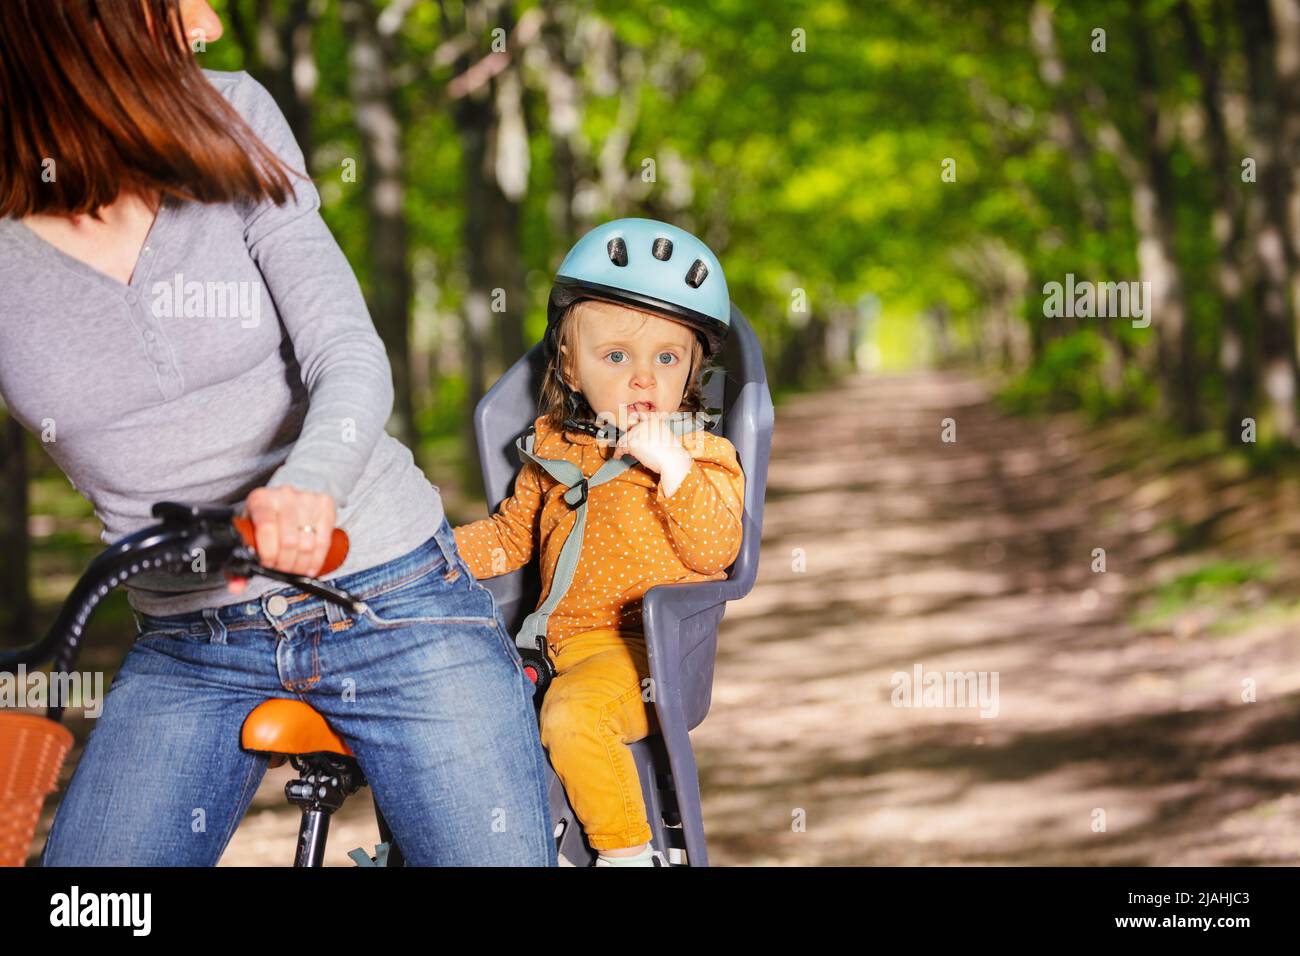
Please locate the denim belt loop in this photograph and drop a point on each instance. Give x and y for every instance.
(447, 545)
(334, 614)
(216, 627)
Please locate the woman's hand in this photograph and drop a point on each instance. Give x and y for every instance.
(654, 444)
(281, 517)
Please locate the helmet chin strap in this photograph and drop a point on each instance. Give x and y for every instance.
(679, 424)
(575, 420)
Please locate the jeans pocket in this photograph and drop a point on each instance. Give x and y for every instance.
(441, 594)
(434, 601)
(388, 621)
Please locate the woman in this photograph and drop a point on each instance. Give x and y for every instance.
(203, 339)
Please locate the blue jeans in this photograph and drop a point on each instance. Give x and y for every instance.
(426, 688)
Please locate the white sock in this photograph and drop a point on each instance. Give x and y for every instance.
(644, 858)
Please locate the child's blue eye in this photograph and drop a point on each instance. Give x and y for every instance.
(671, 356)
(612, 354)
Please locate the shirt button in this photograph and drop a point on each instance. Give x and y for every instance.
(149, 336)
(132, 297)
(277, 605)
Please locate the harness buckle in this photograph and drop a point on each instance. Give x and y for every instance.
(581, 498)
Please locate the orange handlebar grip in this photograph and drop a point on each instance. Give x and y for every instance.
(338, 549)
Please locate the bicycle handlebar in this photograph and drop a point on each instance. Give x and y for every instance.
(188, 534)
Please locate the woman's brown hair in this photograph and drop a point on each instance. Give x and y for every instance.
(108, 90)
(553, 401)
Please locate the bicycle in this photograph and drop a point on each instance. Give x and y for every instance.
(34, 748)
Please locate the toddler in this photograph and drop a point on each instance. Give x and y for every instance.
(637, 311)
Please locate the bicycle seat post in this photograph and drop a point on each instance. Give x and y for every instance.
(323, 783)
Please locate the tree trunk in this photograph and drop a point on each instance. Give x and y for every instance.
(1273, 248)
(378, 119)
(1147, 170)
(488, 115)
(1228, 229)
(564, 101)
(277, 46)
(1286, 22)
(1154, 207)
(1071, 136)
(508, 184)
(15, 598)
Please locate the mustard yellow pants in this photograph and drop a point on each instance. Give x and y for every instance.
(596, 706)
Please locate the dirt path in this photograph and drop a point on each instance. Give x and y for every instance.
(976, 556)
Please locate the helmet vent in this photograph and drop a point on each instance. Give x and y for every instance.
(696, 274)
(617, 250)
(663, 249)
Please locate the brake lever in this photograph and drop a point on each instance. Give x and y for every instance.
(244, 563)
(322, 589)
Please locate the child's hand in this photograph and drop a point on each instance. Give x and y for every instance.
(652, 442)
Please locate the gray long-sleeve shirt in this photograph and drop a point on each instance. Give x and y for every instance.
(240, 354)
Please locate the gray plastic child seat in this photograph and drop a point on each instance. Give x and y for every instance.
(680, 621)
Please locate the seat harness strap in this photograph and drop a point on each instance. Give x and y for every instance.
(532, 633)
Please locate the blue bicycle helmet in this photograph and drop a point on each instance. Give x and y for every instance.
(648, 265)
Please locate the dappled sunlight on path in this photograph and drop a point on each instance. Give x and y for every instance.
(976, 556)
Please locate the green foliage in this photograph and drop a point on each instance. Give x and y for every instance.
(1068, 376)
(820, 168)
(1215, 594)
(1213, 578)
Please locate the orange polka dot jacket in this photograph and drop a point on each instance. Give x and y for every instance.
(636, 538)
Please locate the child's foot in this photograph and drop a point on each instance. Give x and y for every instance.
(648, 856)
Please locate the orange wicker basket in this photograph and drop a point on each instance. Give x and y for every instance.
(32, 751)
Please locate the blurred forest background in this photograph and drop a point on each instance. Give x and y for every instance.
(892, 189)
(888, 186)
